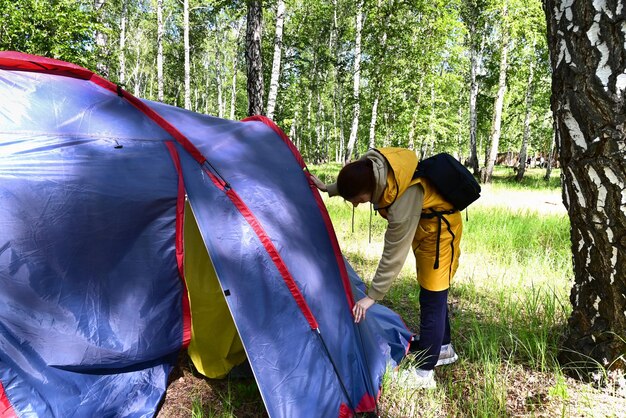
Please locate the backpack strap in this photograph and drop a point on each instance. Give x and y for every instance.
(440, 215)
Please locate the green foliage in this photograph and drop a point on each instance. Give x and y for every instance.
(62, 29)
(415, 63)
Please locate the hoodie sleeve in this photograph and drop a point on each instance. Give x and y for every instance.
(332, 189)
(403, 217)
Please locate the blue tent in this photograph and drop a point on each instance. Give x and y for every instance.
(99, 289)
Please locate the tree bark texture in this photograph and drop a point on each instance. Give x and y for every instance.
(253, 58)
(588, 58)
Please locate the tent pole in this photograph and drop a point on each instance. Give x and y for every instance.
(343, 386)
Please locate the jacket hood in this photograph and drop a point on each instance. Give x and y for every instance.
(380, 173)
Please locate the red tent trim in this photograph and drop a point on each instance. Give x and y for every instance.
(180, 247)
(6, 409)
(343, 272)
(269, 247)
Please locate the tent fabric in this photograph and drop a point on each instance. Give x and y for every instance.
(99, 266)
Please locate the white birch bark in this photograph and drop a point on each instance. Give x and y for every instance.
(357, 82)
(101, 43)
(160, 94)
(187, 92)
(499, 100)
(383, 44)
(219, 71)
(123, 18)
(278, 50)
(372, 142)
(473, 114)
(526, 137)
(233, 92)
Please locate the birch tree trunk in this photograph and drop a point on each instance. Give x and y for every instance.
(473, 113)
(499, 100)
(372, 142)
(219, 69)
(526, 138)
(137, 74)
(278, 50)
(101, 43)
(357, 82)
(411, 139)
(160, 95)
(233, 92)
(342, 137)
(550, 159)
(337, 106)
(418, 103)
(431, 124)
(459, 133)
(292, 130)
(187, 60)
(588, 56)
(378, 82)
(221, 106)
(253, 58)
(123, 18)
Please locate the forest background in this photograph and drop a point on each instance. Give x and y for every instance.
(340, 76)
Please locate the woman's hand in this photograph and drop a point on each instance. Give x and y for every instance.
(361, 307)
(318, 183)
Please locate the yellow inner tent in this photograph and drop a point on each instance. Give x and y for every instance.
(215, 346)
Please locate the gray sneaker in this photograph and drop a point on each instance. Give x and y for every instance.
(447, 355)
(414, 378)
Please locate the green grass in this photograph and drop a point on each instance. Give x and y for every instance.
(533, 179)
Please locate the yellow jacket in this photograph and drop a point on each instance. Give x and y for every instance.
(436, 262)
(402, 200)
(403, 163)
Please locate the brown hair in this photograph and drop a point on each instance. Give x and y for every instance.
(356, 178)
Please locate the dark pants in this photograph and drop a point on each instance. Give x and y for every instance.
(434, 326)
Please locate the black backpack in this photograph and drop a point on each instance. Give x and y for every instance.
(455, 182)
